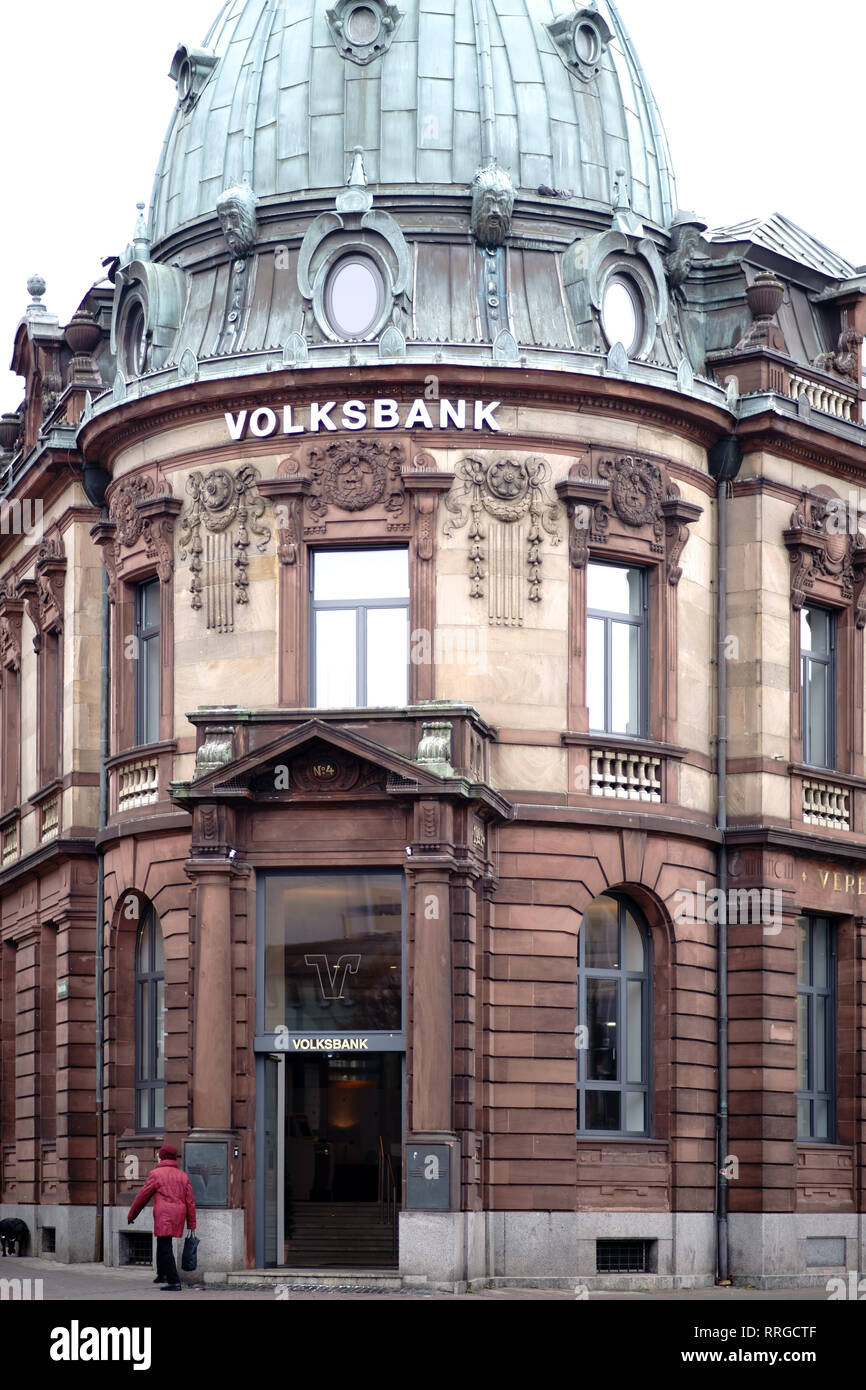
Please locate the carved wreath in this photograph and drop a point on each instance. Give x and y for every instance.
(354, 475)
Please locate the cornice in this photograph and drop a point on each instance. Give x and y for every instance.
(104, 436)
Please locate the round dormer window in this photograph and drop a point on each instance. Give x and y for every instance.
(586, 44)
(622, 313)
(362, 25)
(354, 296)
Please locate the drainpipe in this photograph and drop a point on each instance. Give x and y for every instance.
(724, 462)
(95, 480)
(100, 924)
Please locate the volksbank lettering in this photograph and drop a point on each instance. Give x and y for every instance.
(358, 415)
(330, 1044)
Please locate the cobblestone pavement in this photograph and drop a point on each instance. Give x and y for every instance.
(98, 1284)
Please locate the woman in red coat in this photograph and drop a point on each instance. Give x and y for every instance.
(171, 1190)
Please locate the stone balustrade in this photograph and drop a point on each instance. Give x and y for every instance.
(137, 783)
(625, 773)
(826, 804)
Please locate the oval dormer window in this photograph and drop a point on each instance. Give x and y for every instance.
(586, 44)
(134, 344)
(354, 296)
(362, 25)
(622, 315)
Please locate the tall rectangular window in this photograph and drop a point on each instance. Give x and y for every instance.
(617, 678)
(147, 666)
(818, 661)
(816, 1029)
(360, 628)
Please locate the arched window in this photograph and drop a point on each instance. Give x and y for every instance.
(614, 1012)
(149, 1024)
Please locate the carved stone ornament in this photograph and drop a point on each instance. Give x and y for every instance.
(511, 491)
(136, 511)
(215, 750)
(215, 533)
(11, 613)
(845, 361)
(492, 205)
(236, 210)
(434, 749)
(823, 551)
(45, 606)
(639, 494)
(355, 474)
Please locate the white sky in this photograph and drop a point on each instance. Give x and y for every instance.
(760, 100)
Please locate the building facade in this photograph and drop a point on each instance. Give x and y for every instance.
(383, 539)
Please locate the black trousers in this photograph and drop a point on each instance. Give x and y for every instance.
(165, 1264)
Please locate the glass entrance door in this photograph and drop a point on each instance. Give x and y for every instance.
(331, 1158)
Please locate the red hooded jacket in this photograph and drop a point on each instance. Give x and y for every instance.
(171, 1190)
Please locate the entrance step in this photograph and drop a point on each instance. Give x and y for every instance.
(337, 1235)
(335, 1277)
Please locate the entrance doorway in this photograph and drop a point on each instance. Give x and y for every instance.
(333, 1131)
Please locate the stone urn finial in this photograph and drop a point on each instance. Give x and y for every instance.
(36, 288)
(765, 296)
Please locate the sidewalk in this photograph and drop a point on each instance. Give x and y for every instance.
(99, 1284)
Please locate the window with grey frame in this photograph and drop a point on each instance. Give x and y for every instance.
(617, 650)
(818, 663)
(614, 1064)
(359, 628)
(816, 1029)
(148, 665)
(149, 1024)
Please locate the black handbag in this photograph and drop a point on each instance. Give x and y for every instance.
(189, 1258)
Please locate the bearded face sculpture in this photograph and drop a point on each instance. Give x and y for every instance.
(236, 210)
(492, 205)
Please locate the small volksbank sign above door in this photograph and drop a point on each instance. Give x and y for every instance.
(381, 414)
(285, 1040)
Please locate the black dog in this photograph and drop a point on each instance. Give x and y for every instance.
(14, 1235)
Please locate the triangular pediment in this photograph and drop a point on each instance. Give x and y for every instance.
(314, 758)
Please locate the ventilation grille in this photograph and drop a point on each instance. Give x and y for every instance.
(136, 1249)
(622, 1256)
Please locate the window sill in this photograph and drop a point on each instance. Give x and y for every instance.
(44, 793)
(141, 750)
(622, 741)
(826, 774)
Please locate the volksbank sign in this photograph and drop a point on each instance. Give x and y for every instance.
(381, 414)
(283, 1039)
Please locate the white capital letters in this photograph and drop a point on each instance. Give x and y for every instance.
(321, 415)
(288, 426)
(386, 415)
(484, 415)
(354, 415)
(236, 425)
(418, 415)
(449, 415)
(263, 422)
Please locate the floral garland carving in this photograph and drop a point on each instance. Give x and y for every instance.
(508, 489)
(215, 533)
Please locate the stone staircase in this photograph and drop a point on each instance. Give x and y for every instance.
(341, 1235)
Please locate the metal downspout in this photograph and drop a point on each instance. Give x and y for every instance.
(99, 1252)
(722, 822)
